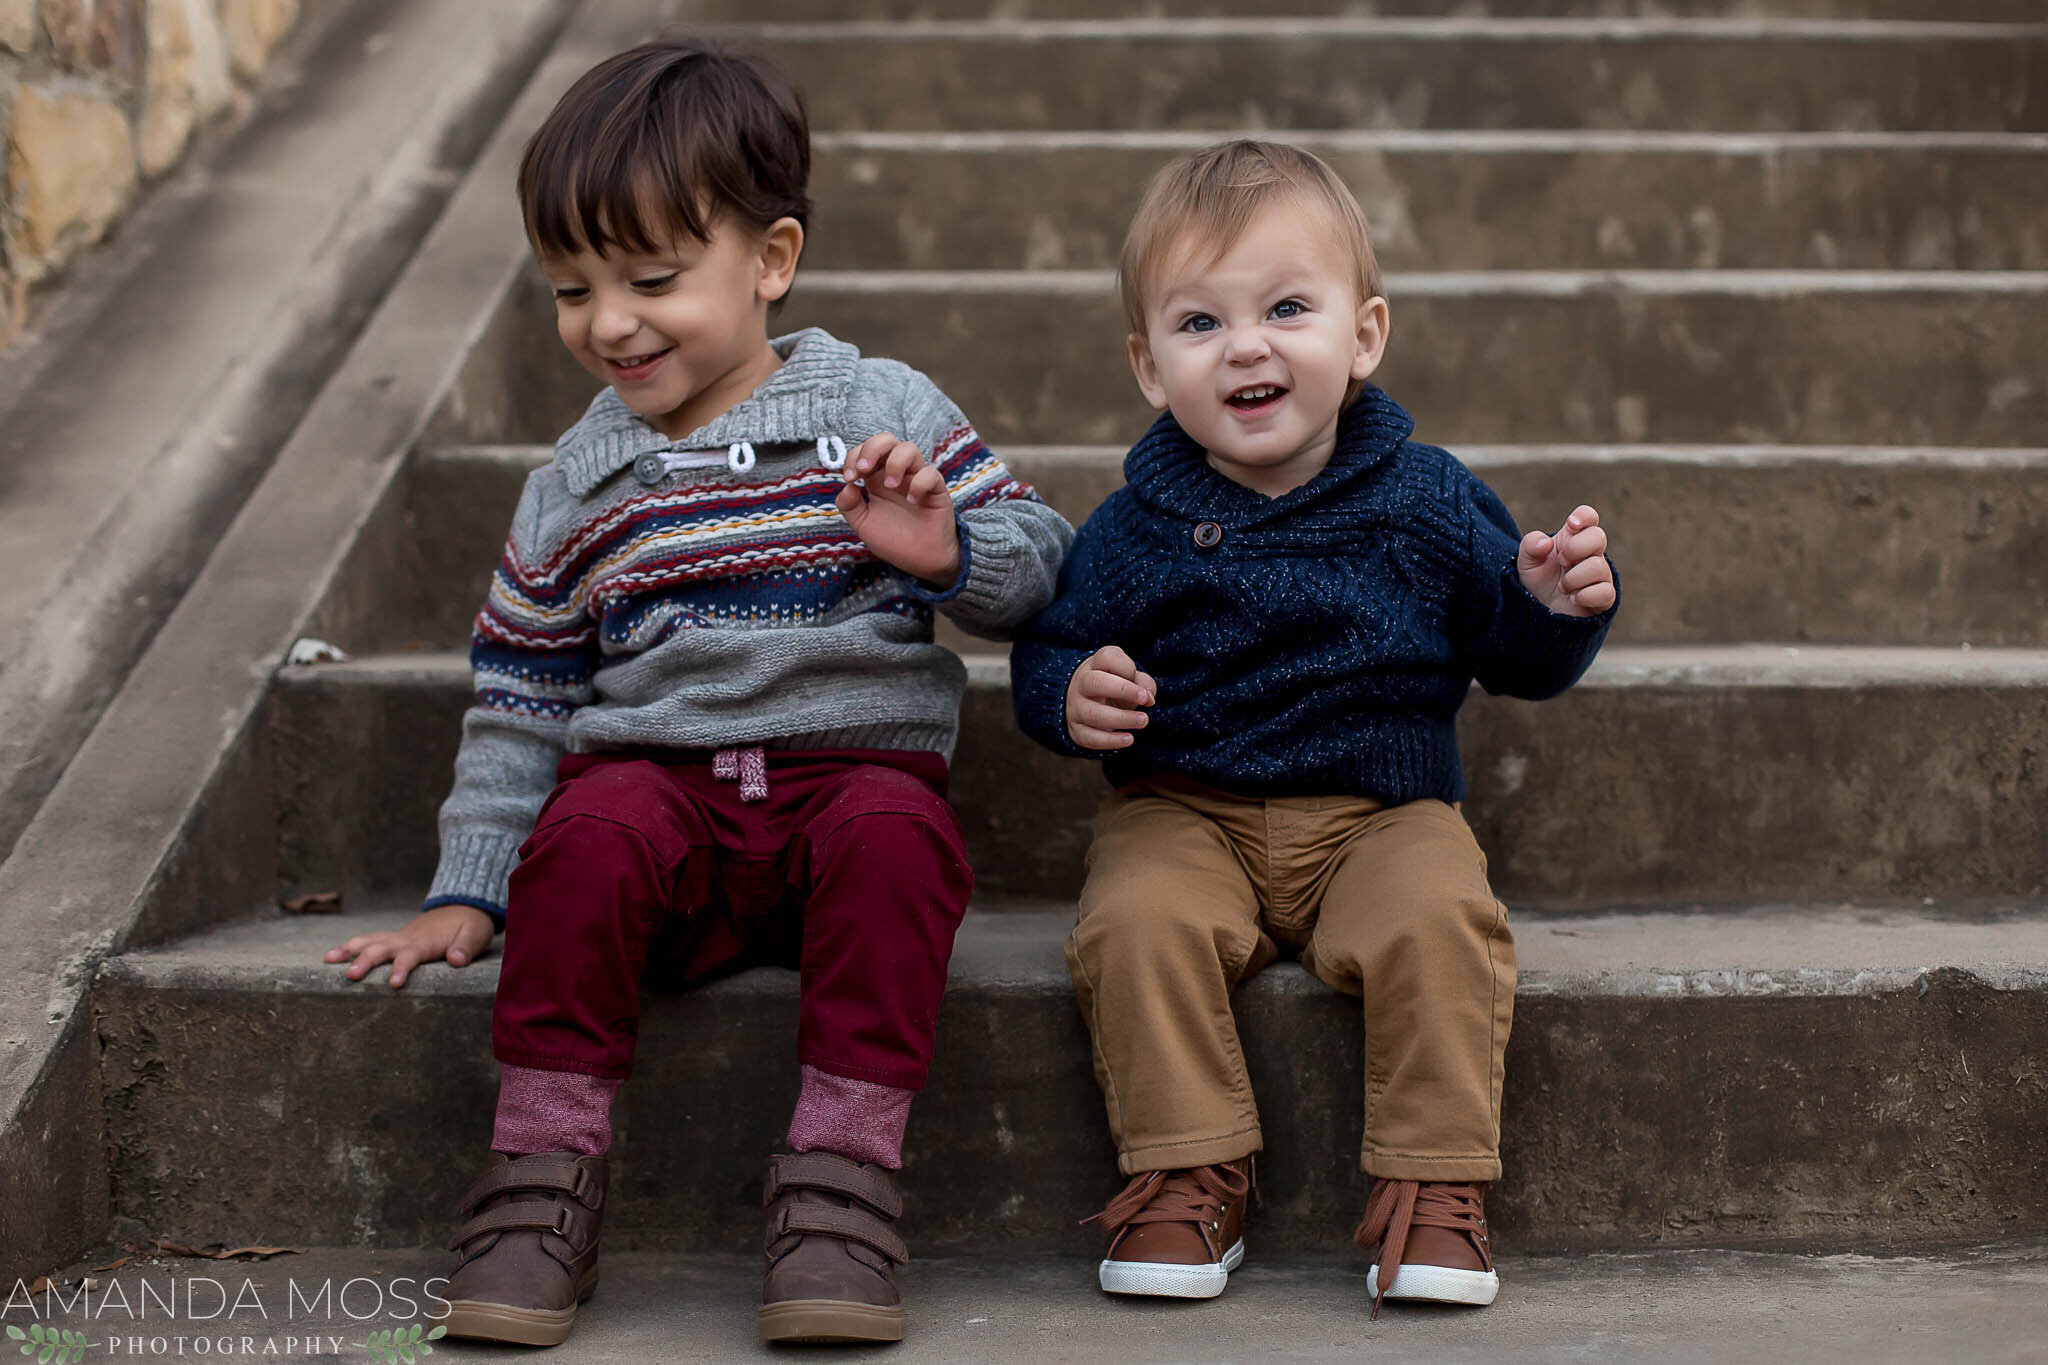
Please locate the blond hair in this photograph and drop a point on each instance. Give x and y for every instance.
(1208, 198)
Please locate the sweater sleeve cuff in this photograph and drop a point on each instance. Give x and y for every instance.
(496, 912)
(940, 596)
(1531, 640)
(476, 869)
(1039, 674)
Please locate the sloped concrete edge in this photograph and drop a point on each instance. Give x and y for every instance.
(135, 430)
(161, 818)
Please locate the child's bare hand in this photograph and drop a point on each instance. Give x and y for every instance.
(1103, 697)
(1568, 572)
(901, 509)
(456, 932)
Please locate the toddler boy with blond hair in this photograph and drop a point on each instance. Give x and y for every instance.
(1265, 637)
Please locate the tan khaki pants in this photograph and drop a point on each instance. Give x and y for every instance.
(1191, 890)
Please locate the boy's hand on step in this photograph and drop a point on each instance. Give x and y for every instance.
(1103, 698)
(1568, 572)
(897, 504)
(455, 932)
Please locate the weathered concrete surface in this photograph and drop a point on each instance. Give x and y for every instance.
(1687, 773)
(2009, 11)
(1717, 774)
(1271, 72)
(133, 429)
(54, 1196)
(132, 838)
(1870, 546)
(1718, 543)
(1463, 201)
(1982, 1304)
(1798, 1075)
(1825, 357)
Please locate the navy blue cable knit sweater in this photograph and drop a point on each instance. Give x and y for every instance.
(1316, 643)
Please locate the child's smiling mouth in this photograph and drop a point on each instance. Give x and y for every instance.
(637, 366)
(1254, 400)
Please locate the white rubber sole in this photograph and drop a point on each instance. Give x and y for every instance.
(1437, 1284)
(1165, 1280)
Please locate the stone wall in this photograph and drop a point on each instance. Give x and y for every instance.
(99, 97)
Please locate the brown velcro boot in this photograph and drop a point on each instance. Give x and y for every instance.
(831, 1252)
(1176, 1234)
(1432, 1243)
(528, 1249)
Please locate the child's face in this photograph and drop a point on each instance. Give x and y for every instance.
(1252, 353)
(682, 334)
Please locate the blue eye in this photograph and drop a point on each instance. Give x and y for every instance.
(1289, 308)
(1198, 322)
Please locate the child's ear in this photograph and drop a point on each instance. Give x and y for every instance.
(1374, 323)
(1140, 351)
(781, 244)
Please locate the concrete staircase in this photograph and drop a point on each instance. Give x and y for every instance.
(1765, 282)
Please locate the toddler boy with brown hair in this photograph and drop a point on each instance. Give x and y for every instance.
(1265, 637)
(712, 726)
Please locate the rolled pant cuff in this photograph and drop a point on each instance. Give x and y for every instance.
(902, 1078)
(545, 1061)
(1175, 1156)
(1457, 1170)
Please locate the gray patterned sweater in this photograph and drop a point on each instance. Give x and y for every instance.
(706, 593)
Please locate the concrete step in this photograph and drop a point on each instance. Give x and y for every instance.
(1347, 72)
(1822, 357)
(1675, 774)
(1805, 1076)
(1464, 201)
(1719, 543)
(1984, 1304)
(741, 11)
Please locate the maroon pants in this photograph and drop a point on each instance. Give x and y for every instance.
(651, 869)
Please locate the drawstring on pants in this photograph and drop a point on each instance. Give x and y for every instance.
(748, 767)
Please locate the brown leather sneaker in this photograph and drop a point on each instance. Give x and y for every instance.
(1432, 1243)
(1176, 1234)
(832, 1256)
(529, 1253)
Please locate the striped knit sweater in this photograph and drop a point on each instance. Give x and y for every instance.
(706, 593)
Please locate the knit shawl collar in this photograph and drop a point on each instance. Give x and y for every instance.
(804, 399)
(1170, 473)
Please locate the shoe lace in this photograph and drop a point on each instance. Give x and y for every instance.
(1197, 1194)
(1395, 1206)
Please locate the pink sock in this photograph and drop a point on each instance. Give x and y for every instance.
(553, 1111)
(856, 1119)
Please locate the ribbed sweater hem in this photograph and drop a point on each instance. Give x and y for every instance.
(933, 737)
(1394, 763)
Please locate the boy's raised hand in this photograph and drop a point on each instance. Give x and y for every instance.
(1568, 572)
(456, 932)
(1103, 698)
(901, 509)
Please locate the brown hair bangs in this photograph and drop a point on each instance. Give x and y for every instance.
(659, 143)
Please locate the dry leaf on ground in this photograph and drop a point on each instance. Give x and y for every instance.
(170, 1248)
